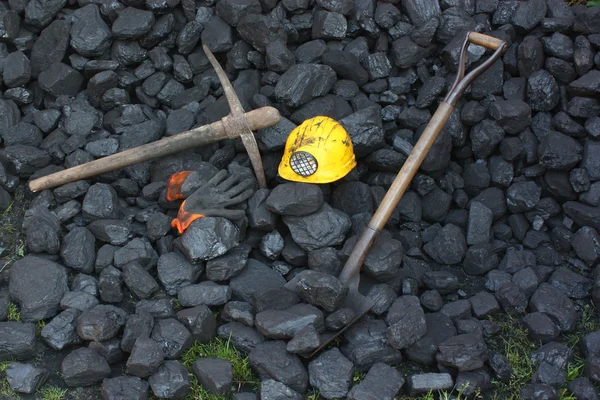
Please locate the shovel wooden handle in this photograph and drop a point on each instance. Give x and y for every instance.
(487, 41)
(257, 119)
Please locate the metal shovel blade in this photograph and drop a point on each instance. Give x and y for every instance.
(358, 303)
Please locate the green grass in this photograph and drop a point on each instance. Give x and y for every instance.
(358, 376)
(515, 344)
(52, 393)
(219, 348)
(13, 312)
(6, 392)
(442, 395)
(39, 326)
(588, 3)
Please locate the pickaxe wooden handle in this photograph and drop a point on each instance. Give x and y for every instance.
(235, 124)
(257, 119)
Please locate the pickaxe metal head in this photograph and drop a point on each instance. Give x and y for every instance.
(235, 123)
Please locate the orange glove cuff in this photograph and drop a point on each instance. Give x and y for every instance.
(184, 219)
(174, 185)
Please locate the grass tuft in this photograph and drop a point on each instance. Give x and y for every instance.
(39, 326)
(52, 393)
(514, 343)
(358, 376)
(4, 365)
(219, 348)
(588, 3)
(13, 312)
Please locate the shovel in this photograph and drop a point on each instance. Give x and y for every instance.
(350, 275)
(236, 124)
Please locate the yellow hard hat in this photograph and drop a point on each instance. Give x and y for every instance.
(317, 151)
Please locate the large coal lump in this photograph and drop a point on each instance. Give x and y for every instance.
(37, 286)
(323, 228)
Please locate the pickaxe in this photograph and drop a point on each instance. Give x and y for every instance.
(235, 124)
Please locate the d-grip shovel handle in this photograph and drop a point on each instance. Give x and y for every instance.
(350, 274)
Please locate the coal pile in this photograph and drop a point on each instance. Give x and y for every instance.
(497, 237)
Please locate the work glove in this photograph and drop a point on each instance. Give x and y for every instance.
(212, 198)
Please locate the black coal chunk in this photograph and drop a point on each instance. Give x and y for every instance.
(62, 330)
(346, 65)
(406, 54)
(208, 293)
(541, 327)
(84, 367)
(137, 250)
(138, 280)
(479, 224)
(587, 85)
(137, 325)
(295, 199)
(37, 286)
(90, 35)
(78, 250)
(367, 344)
(512, 115)
(60, 79)
(272, 361)
(125, 387)
(256, 281)
(382, 381)
(208, 238)
(132, 23)
(323, 228)
(43, 231)
(449, 245)
(80, 301)
(571, 283)
(239, 311)
(278, 57)
(331, 374)
(17, 69)
(485, 136)
(559, 152)
(557, 305)
(172, 336)
(233, 10)
(175, 271)
(25, 159)
(303, 82)
(171, 380)
(583, 214)
(217, 35)
(146, 356)
(383, 261)
(285, 324)
(103, 322)
(407, 322)
(259, 30)
(523, 196)
(242, 337)
(423, 383)
(329, 25)
(365, 129)
(110, 285)
(319, 289)
(214, 374)
(582, 388)
(590, 161)
(528, 15)
(25, 378)
(17, 340)
(271, 389)
(465, 352)
(543, 93)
